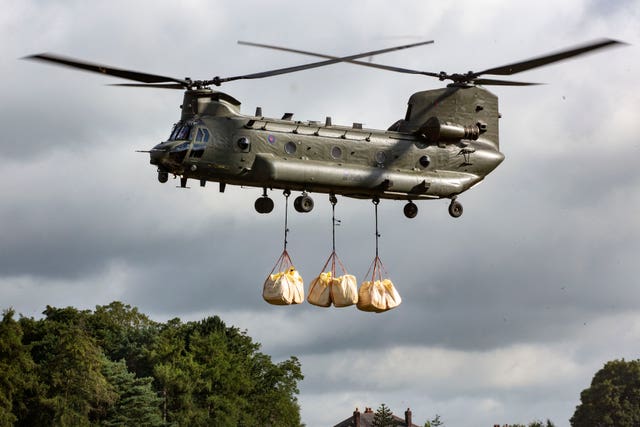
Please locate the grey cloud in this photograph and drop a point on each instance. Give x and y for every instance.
(544, 252)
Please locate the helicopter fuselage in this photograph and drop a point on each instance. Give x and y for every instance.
(419, 159)
(446, 144)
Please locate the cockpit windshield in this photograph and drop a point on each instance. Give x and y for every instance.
(181, 131)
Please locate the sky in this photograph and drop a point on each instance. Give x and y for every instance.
(507, 311)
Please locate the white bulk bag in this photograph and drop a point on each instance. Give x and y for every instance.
(320, 290)
(371, 297)
(391, 295)
(284, 288)
(344, 291)
(378, 294)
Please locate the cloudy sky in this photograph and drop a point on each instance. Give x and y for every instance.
(508, 311)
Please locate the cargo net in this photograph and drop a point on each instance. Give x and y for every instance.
(378, 293)
(284, 285)
(332, 287)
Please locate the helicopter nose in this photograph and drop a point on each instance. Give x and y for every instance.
(156, 156)
(158, 153)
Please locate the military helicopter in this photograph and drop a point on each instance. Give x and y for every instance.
(447, 142)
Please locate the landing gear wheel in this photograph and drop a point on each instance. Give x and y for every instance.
(455, 209)
(410, 210)
(303, 203)
(263, 205)
(163, 176)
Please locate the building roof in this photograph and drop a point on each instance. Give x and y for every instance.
(366, 420)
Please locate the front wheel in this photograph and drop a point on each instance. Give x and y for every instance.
(163, 176)
(455, 209)
(264, 205)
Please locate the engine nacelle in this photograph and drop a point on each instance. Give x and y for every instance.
(433, 130)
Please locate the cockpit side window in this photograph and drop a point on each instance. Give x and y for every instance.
(180, 131)
(183, 133)
(202, 137)
(174, 131)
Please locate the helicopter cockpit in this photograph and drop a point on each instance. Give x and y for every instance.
(189, 132)
(185, 138)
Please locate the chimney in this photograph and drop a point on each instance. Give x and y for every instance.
(356, 418)
(407, 417)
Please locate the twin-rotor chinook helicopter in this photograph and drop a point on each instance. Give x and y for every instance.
(446, 143)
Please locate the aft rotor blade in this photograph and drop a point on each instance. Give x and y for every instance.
(494, 82)
(105, 69)
(517, 67)
(333, 60)
(363, 63)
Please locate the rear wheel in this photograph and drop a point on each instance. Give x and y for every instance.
(410, 210)
(303, 203)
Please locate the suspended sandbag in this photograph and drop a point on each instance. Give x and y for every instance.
(391, 295)
(344, 290)
(371, 297)
(328, 288)
(320, 290)
(378, 294)
(284, 285)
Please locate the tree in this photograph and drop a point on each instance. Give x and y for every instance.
(435, 422)
(137, 403)
(273, 396)
(210, 374)
(548, 423)
(383, 417)
(116, 367)
(173, 373)
(124, 333)
(536, 423)
(613, 399)
(17, 370)
(69, 366)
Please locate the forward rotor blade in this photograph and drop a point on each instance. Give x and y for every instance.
(151, 85)
(363, 63)
(104, 69)
(217, 81)
(517, 67)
